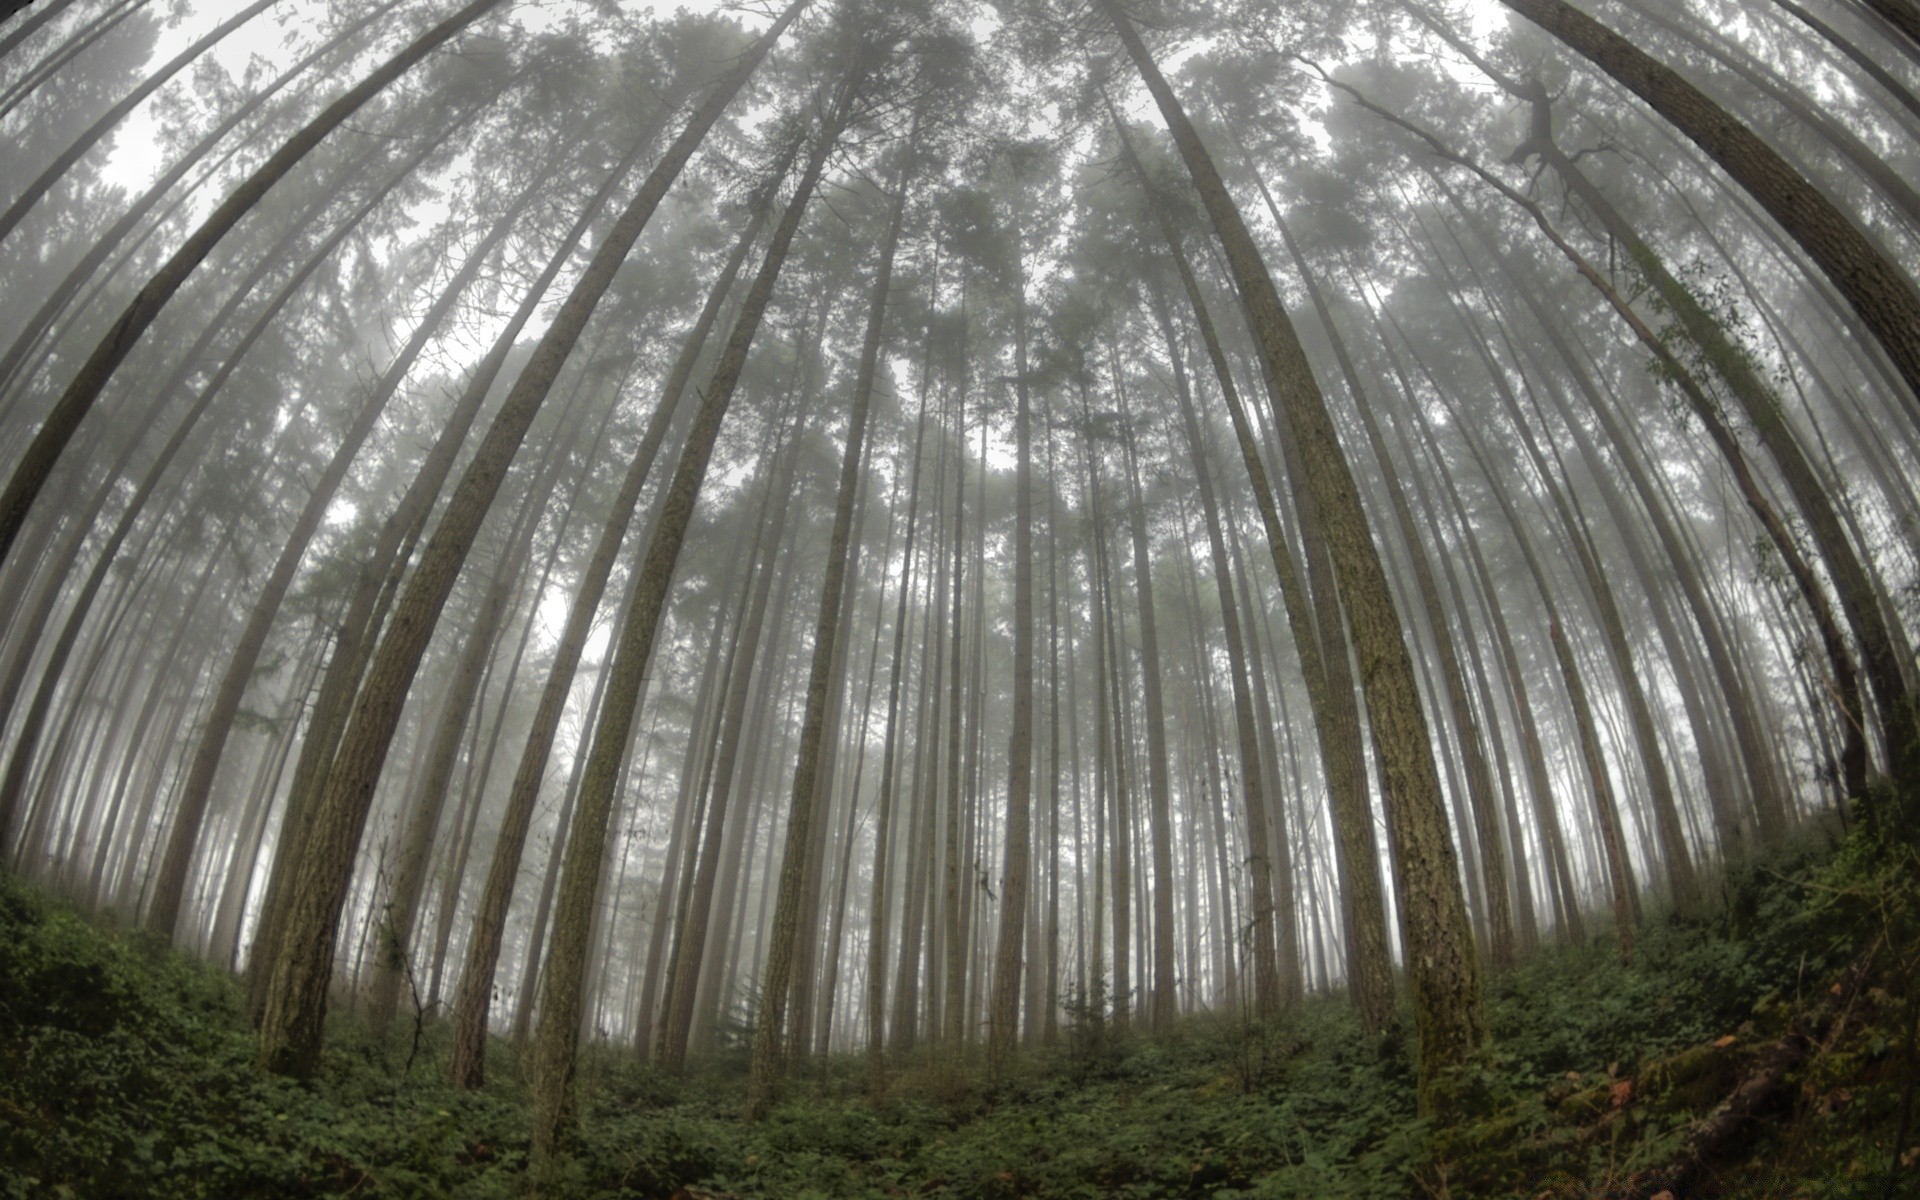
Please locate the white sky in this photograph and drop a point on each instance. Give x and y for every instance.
(274, 37)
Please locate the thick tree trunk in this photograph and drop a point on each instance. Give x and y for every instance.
(560, 999)
(1481, 802)
(1439, 943)
(296, 1000)
(1336, 726)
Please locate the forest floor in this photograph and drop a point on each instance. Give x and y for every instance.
(1764, 1050)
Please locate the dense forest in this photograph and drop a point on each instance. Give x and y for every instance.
(926, 597)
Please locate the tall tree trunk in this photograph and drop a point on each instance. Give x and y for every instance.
(1160, 1004)
(881, 892)
(153, 82)
(1335, 716)
(1481, 802)
(296, 1001)
(421, 819)
(769, 1040)
(559, 1030)
(690, 937)
(1440, 947)
(373, 591)
(1003, 1016)
(473, 1001)
(30, 473)
(164, 911)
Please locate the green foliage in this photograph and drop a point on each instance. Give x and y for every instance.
(128, 1070)
(1598, 1072)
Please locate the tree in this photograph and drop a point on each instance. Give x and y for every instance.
(1433, 920)
(296, 1001)
(30, 473)
(565, 961)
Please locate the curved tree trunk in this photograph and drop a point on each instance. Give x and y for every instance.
(1446, 974)
(170, 882)
(296, 996)
(90, 137)
(30, 473)
(474, 999)
(373, 593)
(560, 992)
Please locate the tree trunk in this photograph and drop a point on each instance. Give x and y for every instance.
(1439, 943)
(1003, 1016)
(560, 999)
(769, 1042)
(30, 473)
(474, 999)
(154, 80)
(373, 591)
(296, 1001)
(164, 911)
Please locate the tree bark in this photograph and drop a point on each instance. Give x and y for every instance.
(296, 1002)
(30, 473)
(560, 1000)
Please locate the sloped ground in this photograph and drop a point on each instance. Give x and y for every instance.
(1765, 1051)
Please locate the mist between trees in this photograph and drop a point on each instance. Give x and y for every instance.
(878, 524)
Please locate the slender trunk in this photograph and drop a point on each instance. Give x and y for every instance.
(474, 999)
(1160, 1005)
(558, 1034)
(27, 738)
(769, 1043)
(881, 892)
(77, 149)
(296, 1002)
(30, 473)
(690, 937)
(184, 836)
(107, 242)
(1440, 949)
(1003, 1017)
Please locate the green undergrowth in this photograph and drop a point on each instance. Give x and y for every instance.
(126, 1070)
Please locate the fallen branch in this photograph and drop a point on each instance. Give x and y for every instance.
(1719, 1129)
